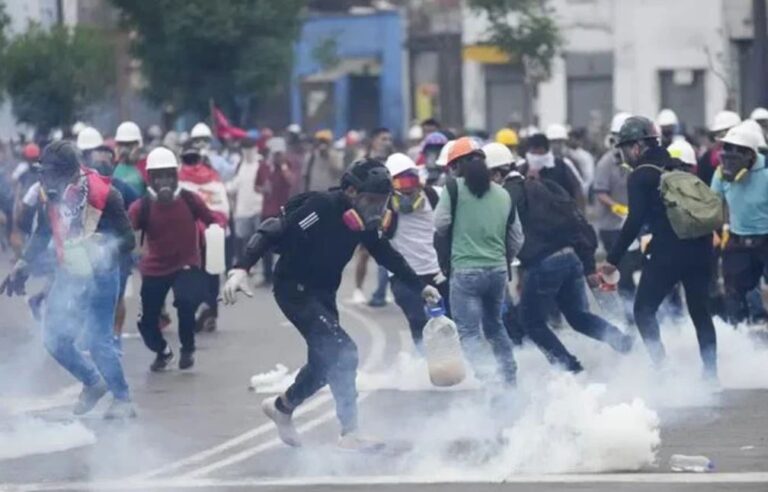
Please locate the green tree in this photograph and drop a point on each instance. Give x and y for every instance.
(525, 30)
(53, 76)
(231, 51)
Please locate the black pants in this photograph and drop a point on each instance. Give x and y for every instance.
(412, 304)
(660, 275)
(331, 353)
(743, 266)
(187, 289)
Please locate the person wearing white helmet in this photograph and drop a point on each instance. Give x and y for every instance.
(411, 234)
(168, 218)
(761, 116)
(415, 136)
(710, 160)
(741, 180)
(669, 126)
(129, 142)
(201, 138)
(755, 127)
(684, 152)
(558, 142)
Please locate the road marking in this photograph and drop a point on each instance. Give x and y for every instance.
(303, 482)
(375, 357)
(22, 405)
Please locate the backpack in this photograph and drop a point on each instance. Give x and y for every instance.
(693, 209)
(551, 211)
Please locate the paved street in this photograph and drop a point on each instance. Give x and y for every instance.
(203, 429)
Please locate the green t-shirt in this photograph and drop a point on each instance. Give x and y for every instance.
(479, 227)
(131, 176)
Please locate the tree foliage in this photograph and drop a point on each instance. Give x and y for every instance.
(196, 50)
(525, 30)
(52, 76)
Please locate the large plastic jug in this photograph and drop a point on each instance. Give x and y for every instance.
(214, 250)
(442, 347)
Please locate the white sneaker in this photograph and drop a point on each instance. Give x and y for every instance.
(284, 422)
(358, 297)
(357, 443)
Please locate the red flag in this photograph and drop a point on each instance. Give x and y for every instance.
(224, 129)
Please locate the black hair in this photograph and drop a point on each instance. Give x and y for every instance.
(64, 155)
(431, 122)
(378, 131)
(475, 172)
(538, 141)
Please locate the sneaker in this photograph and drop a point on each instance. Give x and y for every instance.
(120, 410)
(284, 422)
(187, 360)
(377, 303)
(624, 344)
(162, 361)
(206, 321)
(358, 297)
(356, 443)
(89, 397)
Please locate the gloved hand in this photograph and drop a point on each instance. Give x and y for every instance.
(431, 295)
(620, 210)
(237, 281)
(15, 281)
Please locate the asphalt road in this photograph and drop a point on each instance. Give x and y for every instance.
(203, 429)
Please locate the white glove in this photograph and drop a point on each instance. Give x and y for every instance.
(237, 281)
(431, 295)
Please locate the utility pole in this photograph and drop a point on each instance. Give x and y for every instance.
(760, 52)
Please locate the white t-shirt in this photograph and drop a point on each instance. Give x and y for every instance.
(414, 240)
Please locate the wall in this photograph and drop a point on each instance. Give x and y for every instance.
(379, 35)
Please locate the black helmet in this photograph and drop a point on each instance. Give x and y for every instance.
(62, 157)
(368, 175)
(635, 129)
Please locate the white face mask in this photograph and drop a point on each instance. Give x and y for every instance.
(539, 162)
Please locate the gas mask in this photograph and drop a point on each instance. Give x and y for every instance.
(368, 213)
(100, 161)
(202, 144)
(164, 184)
(55, 181)
(734, 165)
(408, 197)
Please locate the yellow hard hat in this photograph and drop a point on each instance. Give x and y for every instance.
(507, 136)
(326, 135)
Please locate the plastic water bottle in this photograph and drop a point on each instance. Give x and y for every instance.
(445, 359)
(609, 283)
(214, 250)
(696, 464)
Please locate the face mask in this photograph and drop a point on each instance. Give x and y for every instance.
(164, 185)
(368, 213)
(538, 162)
(54, 184)
(735, 166)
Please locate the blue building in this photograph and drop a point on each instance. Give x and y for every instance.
(348, 73)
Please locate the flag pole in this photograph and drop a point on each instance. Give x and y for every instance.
(211, 107)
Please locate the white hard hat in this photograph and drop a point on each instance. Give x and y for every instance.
(725, 120)
(618, 121)
(78, 127)
(89, 138)
(743, 136)
(294, 128)
(155, 131)
(758, 130)
(557, 132)
(497, 155)
(415, 133)
(201, 130)
(442, 158)
(667, 117)
(398, 163)
(276, 144)
(162, 158)
(528, 131)
(127, 132)
(759, 114)
(682, 150)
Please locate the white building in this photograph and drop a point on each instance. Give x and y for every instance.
(637, 56)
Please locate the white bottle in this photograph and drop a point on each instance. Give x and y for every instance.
(442, 346)
(696, 464)
(214, 250)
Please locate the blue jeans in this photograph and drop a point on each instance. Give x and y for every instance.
(477, 295)
(78, 303)
(559, 278)
(382, 280)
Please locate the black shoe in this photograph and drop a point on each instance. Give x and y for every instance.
(206, 322)
(162, 361)
(186, 360)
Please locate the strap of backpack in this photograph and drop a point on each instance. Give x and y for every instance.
(652, 166)
(144, 217)
(432, 196)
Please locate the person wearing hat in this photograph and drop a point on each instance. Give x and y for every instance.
(324, 166)
(541, 162)
(710, 160)
(248, 202)
(477, 237)
(670, 260)
(316, 236)
(742, 181)
(411, 233)
(129, 144)
(83, 216)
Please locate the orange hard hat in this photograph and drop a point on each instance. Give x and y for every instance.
(463, 147)
(31, 151)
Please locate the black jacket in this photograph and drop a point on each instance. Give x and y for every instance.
(647, 209)
(315, 245)
(563, 176)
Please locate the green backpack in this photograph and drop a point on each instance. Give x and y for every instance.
(693, 209)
